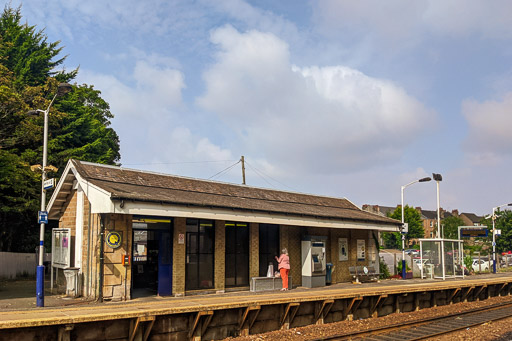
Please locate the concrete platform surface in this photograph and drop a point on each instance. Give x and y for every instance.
(63, 311)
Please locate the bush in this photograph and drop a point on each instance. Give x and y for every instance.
(383, 268)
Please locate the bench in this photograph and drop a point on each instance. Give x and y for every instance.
(364, 273)
(268, 283)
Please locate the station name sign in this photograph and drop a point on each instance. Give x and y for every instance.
(473, 231)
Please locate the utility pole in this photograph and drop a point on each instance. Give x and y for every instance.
(243, 169)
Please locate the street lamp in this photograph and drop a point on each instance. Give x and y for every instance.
(62, 89)
(494, 235)
(438, 178)
(403, 227)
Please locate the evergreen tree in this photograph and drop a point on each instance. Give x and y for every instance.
(79, 126)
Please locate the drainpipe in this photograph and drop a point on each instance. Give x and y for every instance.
(102, 259)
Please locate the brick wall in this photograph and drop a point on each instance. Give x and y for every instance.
(116, 277)
(341, 273)
(220, 255)
(178, 263)
(254, 251)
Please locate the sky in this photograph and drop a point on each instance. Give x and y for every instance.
(348, 99)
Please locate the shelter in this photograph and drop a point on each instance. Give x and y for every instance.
(137, 232)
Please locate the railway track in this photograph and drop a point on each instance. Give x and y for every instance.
(425, 328)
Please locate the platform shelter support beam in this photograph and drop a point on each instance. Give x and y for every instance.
(199, 325)
(135, 330)
(378, 302)
(477, 293)
(247, 319)
(289, 314)
(355, 302)
(452, 295)
(322, 309)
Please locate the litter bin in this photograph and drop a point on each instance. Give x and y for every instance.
(71, 275)
(328, 273)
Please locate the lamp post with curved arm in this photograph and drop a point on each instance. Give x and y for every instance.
(403, 221)
(63, 88)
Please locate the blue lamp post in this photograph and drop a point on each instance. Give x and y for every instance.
(63, 88)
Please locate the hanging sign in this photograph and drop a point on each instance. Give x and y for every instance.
(49, 183)
(114, 239)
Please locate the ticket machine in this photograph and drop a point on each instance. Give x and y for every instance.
(313, 261)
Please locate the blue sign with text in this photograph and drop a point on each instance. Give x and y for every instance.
(43, 217)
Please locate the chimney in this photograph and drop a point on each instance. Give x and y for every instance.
(455, 213)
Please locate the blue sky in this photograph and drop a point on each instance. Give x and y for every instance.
(341, 98)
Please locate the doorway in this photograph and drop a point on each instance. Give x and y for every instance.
(152, 256)
(237, 254)
(199, 254)
(269, 247)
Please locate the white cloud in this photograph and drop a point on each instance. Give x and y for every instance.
(489, 138)
(327, 119)
(401, 22)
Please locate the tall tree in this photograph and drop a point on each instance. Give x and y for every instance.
(26, 51)
(451, 226)
(79, 126)
(504, 223)
(413, 219)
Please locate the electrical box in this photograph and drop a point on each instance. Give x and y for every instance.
(126, 260)
(313, 261)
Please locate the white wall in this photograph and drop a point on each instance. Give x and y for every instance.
(13, 264)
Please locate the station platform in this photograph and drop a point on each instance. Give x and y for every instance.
(216, 316)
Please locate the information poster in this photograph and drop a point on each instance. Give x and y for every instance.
(61, 248)
(361, 249)
(343, 249)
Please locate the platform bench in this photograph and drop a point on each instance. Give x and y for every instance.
(359, 274)
(268, 283)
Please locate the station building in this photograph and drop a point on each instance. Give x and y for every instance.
(136, 233)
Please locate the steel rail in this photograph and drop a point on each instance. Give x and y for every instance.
(420, 329)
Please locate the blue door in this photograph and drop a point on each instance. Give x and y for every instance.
(165, 264)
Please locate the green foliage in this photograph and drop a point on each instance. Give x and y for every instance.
(79, 126)
(26, 52)
(450, 226)
(399, 267)
(383, 268)
(393, 240)
(468, 262)
(504, 223)
(413, 218)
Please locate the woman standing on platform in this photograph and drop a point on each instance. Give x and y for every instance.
(284, 267)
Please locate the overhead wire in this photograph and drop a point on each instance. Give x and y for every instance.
(175, 163)
(224, 170)
(263, 175)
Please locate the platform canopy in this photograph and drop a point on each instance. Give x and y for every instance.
(112, 189)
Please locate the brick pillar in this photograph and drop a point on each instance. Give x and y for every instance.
(254, 251)
(178, 256)
(116, 276)
(220, 256)
(294, 246)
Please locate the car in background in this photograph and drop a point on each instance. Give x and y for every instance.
(480, 265)
(413, 252)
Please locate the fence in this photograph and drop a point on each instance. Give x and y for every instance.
(13, 264)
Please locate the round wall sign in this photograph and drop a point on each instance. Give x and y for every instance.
(114, 239)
